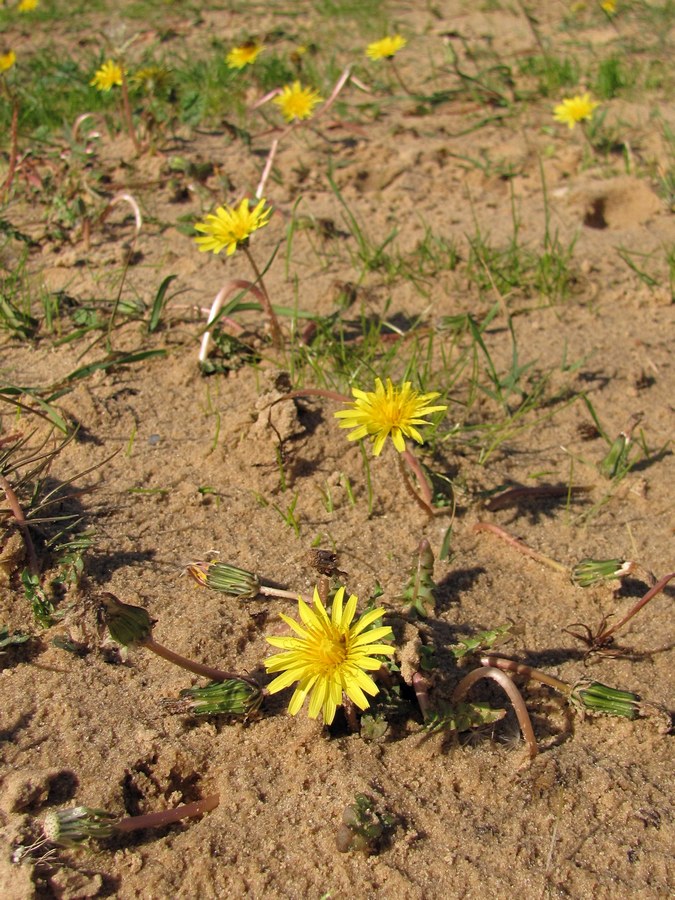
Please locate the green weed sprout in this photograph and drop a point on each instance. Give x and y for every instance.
(132, 626)
(75, 826)
(230, 579)
(362, 827)
(616, 463)
(419, 593)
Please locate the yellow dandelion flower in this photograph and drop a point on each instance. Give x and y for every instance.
(388, 411)
(244, 54)
(297, 102)
(608, 6)
(229, 227)
(329, 656)
(107, 76)
(27, 5)
(386, 47)
(575, 109)
(7, 60)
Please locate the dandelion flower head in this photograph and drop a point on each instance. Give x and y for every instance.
(388, 411)
(7, 60)
(608, 6)
(575, 109)
(228, 227)
(27, 5)
(297, 102)
(244, 54)
(109, 75)
(329, 656)
(385, 48)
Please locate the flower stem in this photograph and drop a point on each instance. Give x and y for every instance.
(397, 75)
(128, 117)
(17, 512)
(514, 694)
(652, 592)
(425, 500)
(189, 664)
(520, 546)
(168, 816)
(510, 665)
(277, 337)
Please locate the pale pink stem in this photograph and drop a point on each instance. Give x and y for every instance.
(510, 665)
(17, 512)
(168, 816)
(514, 694)
(652, 592)
(131, 200)
(519, 545)
(421, 687)
(80, 120)
(268, 168)
(426, 500)
(230, 288)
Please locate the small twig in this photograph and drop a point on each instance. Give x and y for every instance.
(652, 592)
(520, 545)
(515, 697)
(168, 816)
(18, 513)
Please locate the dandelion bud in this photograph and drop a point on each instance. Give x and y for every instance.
(225, 578)
(69, 827)
(600, 698)
(234, 697)
(591, 571)
(127, 624)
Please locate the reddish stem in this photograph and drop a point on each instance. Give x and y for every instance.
(519, 545)
(652, 592)
(421, 687)
(191, 666)
(425, 501)
(514, 694)
(17, 512)
(510, 665)
(169, 816)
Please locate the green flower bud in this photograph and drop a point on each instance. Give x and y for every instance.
(69, 827)
(127, 624)
(600, 698)
(591, 571)
(225, 578)
(234, 697)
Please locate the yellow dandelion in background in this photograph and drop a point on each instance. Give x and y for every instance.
(385, 48)
(107, 76)
(297, 102)
(388, 411)
(229, 227)
(608, 6)
(27, 5)
(575, 109)
(329, 656)
(7, 60)
(244, 54)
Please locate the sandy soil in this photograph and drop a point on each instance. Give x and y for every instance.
(592, 814)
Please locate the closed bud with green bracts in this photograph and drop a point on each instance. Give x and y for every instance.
(234, 697)
(69, 827)
(225, 578)
(419, 592)
(591, 571)
(600, 698)
(127, 624)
